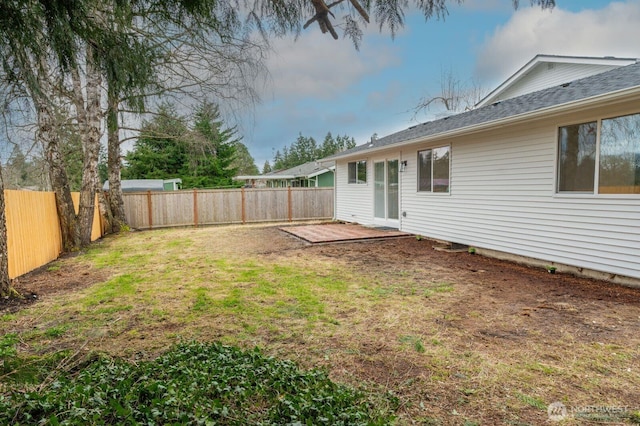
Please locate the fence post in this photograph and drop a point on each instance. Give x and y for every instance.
(290, 204)
(244, 218)
(149, 206)
(195, 207)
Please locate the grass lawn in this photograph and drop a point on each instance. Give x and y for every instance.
(457, 339)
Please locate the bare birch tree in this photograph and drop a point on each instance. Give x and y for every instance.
(88, 113)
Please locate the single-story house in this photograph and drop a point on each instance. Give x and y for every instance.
(144, 185)
(311, 174)
(551, 176)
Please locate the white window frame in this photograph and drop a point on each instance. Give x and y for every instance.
(596, 182)
(431, 191)
(358, 166)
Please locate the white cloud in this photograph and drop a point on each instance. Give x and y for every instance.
(316, 65)
(610, 31)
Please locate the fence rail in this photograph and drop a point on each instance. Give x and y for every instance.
(147, 210)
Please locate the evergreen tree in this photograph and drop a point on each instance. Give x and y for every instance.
(266, 168)
(16, 171)
(243, 162)
(212, 150)
(23, 172)
(281, 162)
(277, 160)
(202, 156)
(328, 146)
(72, 158)
(305, 149)
(159, 152)
(343, 143)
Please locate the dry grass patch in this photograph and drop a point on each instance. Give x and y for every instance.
(460, 339)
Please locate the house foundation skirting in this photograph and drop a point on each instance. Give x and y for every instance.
(562, 268)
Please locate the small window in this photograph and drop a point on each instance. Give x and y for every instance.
(434, 170)
(424, 170)
(357, 172)
(577, 157)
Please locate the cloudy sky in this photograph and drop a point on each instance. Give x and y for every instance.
(319, 85)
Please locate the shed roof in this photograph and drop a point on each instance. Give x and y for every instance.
(616, 81)
(133, 185)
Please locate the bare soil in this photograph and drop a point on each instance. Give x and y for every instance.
(46, 281)
(498, 309)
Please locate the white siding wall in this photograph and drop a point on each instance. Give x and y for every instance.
(503, 198)
(551, 74)
(354, 202)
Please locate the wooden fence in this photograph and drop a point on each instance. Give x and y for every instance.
(33, 230)
(146, 210)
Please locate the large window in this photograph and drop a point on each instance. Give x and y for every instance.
(619, 168)
(433, 169)
(610, 162)
(357, 172)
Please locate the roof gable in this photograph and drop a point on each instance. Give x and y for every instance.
(545, 71)
(621, 79)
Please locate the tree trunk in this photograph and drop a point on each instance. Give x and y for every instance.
(48, 135)
(5, 282)
(58, 176)
(115, 199)
(105, 211)
(89, 118)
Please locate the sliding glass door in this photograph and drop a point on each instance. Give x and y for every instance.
(386, 190)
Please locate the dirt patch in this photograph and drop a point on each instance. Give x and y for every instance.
(498, 313)
(518, 303)
(61, 276)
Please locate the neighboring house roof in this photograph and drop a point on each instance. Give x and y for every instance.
(306, 170)
(586, 90)
(545, 71)
(134, 185)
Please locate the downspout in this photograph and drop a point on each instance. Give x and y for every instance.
(400, 181)
(335, 190)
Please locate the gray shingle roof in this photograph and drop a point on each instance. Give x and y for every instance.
(610, 81)
(302, 170)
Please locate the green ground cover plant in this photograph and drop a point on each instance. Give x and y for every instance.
(192, 383)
